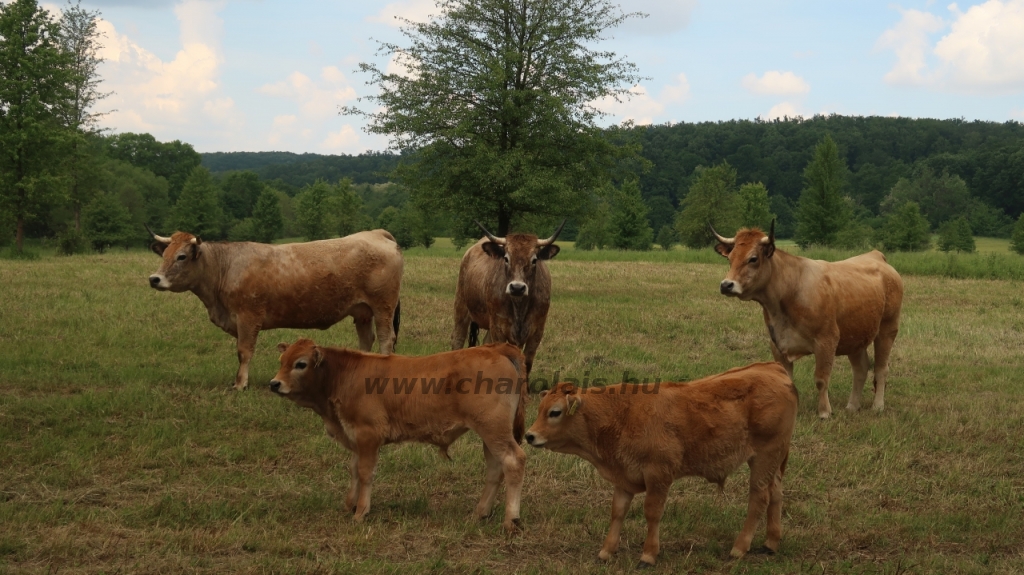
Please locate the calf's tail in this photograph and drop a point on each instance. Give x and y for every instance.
(397, 319)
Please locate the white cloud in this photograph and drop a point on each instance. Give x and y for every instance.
(982, 50)
(776, 83)
(641, 108)
(317, 104)
(785, 110)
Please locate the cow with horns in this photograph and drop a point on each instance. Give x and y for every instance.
(504, 287)
(819, 308)
(247, 287)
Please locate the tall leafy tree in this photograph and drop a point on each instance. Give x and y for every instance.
(498, 98)
(107, 222)
(905, 230)
(311, 210)
(712, 199)
(266, 215)
(822, 212)
(175, 160)
(198, 210)
(757, 210)
(240, 191)
(956, 235)
(630, 228)
(1017, 237)
(35, 75)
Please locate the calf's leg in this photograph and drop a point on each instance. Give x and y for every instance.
(774, 527)
(353, 490)
(620, 505)
(491, 481)
(367, 452)
(764, 469)
(513, 463)
(654, 507)
(860, 363)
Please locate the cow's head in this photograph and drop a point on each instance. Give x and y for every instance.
(558, 416)
(520, 254)
(750, 256)
(179, 270)
(300, 366)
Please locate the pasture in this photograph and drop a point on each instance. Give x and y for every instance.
(122, 449)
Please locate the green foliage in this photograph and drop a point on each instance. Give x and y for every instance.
(240, 191)
(106, 222)
(346, 206)
(630, 229)
(408, 224)
(712, 199)
(267, 221)
(243, 231)
(175, 161)
(311, 210)
(905, 230)
(660, 212)
(667, 237)
(941, 198)
(142, 192)
(35, 76)
(71, 242)
(522, 135)
(956, 235)
(757, 212)
(198, 210)
(785, 213)
(323, 209)
(988, 221)
(596, 230)
(295, 171)
(1017, 238)
(822, 212)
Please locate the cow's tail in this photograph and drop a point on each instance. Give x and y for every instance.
(523, 385)
(474, 333)
(396, 321)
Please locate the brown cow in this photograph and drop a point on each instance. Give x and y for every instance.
(643, 438)
(820, 308)
(504, 287)
(432, 399)
(247, 287)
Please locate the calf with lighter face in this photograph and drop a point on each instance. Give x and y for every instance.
(505, 287)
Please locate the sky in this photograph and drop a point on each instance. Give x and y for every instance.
(269, 75)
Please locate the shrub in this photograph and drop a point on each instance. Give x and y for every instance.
(955, 235)
(71, 242)
(1017, 238)
(667, 237)
(905, 230)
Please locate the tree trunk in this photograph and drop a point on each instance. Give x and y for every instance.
(78, 219)
(504, 220)
(20, 236)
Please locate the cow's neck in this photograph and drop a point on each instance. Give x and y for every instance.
(784, 285)
(209, 290)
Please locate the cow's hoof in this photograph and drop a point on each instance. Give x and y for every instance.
(736, 553)
(514, 527)
(603, 556)
(763, 550)
(852, 408)
(644, 565)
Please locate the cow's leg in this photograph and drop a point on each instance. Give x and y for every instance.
(367, 452)
(247, 334)
(860, 363)
(383, 318)
(775, 513)
(364, 329)
(491, 482)
(513, 465)
(654, 507)
(763, 472)
(620, 505)
(883, 347)
(530, 349)
(824, 358)
(353, 491)
(461, 330)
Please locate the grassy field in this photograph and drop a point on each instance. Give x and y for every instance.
(123, 451)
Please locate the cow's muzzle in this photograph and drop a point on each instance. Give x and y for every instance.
(157, 281)
(533, 439)
(275, 386)
(729, 288)
(517, 289)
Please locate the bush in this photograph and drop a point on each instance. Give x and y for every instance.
(71, 242)
(106, 222)
(667, 237)
(243, 231)
(1017, 238)
(595, 233)
(854, 236)
(955, 235)
(905, 230)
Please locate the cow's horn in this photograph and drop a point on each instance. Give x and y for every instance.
(726, 241)
(160, 239)
(196, 241)
(553, 237)
(490, 236)
(770, 238)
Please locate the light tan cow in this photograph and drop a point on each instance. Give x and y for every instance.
(642, 438)
(368, 400)
(248, 287)
(818, 307)
(504, 287)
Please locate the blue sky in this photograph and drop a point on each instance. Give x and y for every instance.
(252, 75)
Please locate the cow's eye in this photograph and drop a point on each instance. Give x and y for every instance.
(300, 365)
(554, 413)
(534, 260)
(752, 260)
(507, 260)
(181, 257)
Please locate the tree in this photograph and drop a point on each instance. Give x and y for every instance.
(630, 229)
(35, 74)
(133, 185)
(347, 207)
(266, 216)
(905, 230)
(956, 235)
(822, 212)
(1017, 239)
(499, 100)
(596, 230)
(712, 199)
(311, 210)
(107, 222)
(172, 160)
(667, 237)
(240, 190)
(198, 210)
(757, 212)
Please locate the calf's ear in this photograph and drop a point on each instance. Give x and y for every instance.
(574, 404)
(548, 252)
(494, 250)
(282, 346)
(318, 357)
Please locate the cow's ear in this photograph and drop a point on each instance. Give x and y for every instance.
(318, 356)
(195, 251)
(543, 393)
(158, 248)
(768, 249)
(548, 252)
(724, 249)
(494, 250)
(574, 402)
(282, 346)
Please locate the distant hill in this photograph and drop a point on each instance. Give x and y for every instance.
(297, 170)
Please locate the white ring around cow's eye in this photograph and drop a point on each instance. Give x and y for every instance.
(534, 260)
(554, 413)
(507, 260)
(753, 260)
(300, 365)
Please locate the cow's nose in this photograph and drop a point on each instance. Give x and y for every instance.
(517, 288)
(530, 437)
(154, 280)
(727, 286)
(275, 386)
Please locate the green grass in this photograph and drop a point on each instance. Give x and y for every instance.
(122, 450)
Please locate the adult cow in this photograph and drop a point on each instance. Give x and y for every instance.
(818, 307)
(368, 400)
(247, 287)
(505, 287)
(643, 439)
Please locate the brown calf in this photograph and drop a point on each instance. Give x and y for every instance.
(504, 287)
(818, 307)
(368, 400)
(641, 440)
